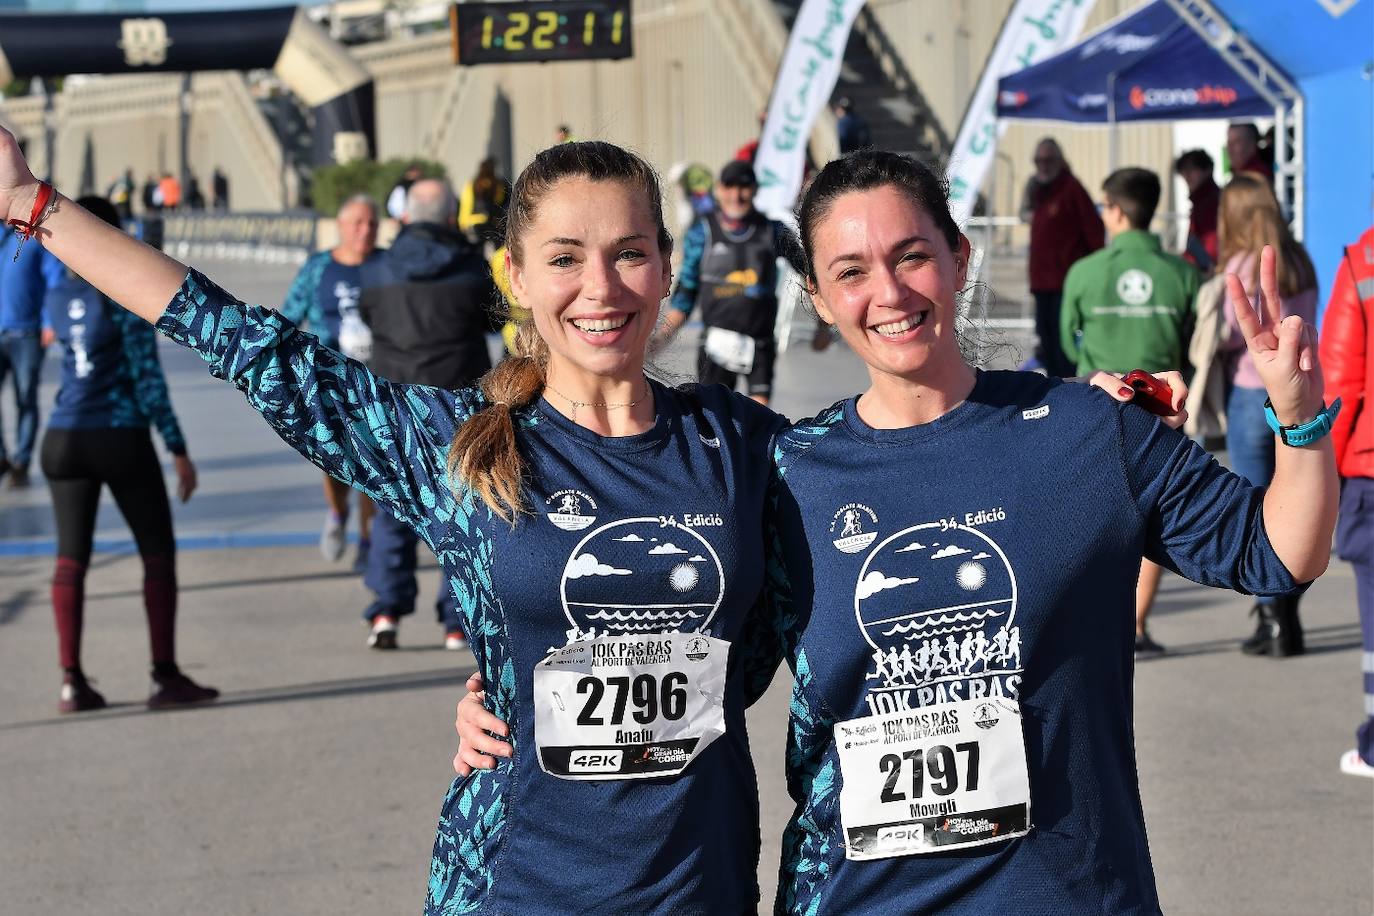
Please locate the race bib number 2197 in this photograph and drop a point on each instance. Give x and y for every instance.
(933, 779)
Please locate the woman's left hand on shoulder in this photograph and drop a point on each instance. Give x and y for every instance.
(1284, 350)
(1112, 383)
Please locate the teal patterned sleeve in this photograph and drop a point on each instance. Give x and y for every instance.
(809, 854)
(150, 385)
(388, 440)
(773, 630)
(772, 627)
(302, 305)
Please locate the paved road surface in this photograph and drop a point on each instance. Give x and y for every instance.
(313, 787)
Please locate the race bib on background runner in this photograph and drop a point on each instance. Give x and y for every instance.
(730, 350)
(629, 707)
(934, 779)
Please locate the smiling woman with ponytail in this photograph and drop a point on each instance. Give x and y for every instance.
(573, 503)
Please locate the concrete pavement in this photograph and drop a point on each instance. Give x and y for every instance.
(314, 785)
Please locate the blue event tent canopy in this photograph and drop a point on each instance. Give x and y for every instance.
(1149, 65)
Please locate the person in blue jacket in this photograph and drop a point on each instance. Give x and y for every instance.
(951, 561)
(111, 390)
(23, 279)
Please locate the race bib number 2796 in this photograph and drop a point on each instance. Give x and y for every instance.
(627, 707)
(933, 779)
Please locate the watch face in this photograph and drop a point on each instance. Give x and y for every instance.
(491, 33)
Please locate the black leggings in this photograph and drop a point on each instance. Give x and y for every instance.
(77, 462)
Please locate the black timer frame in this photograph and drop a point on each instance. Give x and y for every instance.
(506, 32)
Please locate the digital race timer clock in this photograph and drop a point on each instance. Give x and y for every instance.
(496, 33)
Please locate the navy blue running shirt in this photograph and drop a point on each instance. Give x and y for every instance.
(111, 376)
(1012, 526)
(322, 293)
(669, 521)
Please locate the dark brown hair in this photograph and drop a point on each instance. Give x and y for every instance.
(865, 170)
(1135, 192)
(483, 455)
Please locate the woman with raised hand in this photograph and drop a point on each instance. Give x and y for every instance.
(575, 506)
(953, 580)
(961, 720)
(603, 535)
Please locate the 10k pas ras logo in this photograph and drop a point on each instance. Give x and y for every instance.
(936, 604)
(853, 527)
(637, 576)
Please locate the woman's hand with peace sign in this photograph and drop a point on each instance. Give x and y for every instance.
(1300, 503)
(1284, 350)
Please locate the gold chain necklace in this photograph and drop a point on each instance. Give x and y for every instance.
(602, 404)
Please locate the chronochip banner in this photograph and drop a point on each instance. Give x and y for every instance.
(629, 707)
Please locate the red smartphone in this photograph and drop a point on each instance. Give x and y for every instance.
(1150, 393)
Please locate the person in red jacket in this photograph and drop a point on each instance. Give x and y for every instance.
(1064, 227)
(1195, 168)
(1347, 341)
(1243, 151)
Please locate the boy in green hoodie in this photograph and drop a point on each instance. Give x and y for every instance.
(1130, 306)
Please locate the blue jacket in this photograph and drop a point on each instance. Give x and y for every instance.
(22, 283)
(111, 377)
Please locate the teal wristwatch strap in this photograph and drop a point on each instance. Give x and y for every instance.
(1303, 433)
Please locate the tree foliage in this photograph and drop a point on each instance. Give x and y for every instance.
(331, 185)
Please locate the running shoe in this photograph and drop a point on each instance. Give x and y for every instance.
(1352, 763)
(1144, 645)
(19, 478)
(177, 689)
(333, 539)
(455, 641)
(78, 695)
(383, 635)
(360, 560)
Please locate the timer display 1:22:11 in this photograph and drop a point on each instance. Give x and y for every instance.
(540, 29)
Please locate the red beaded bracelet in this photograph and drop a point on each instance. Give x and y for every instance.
(27, 230)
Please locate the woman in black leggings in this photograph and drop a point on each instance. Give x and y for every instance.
(112, 388)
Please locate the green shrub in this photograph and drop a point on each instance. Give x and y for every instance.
(331, 185)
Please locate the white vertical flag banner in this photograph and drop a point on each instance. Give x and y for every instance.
(810, 66)
(1033, 31)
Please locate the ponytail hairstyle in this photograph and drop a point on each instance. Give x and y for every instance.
(483, 456)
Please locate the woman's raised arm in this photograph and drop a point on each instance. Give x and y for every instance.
(137, 276)
(1301, 502)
